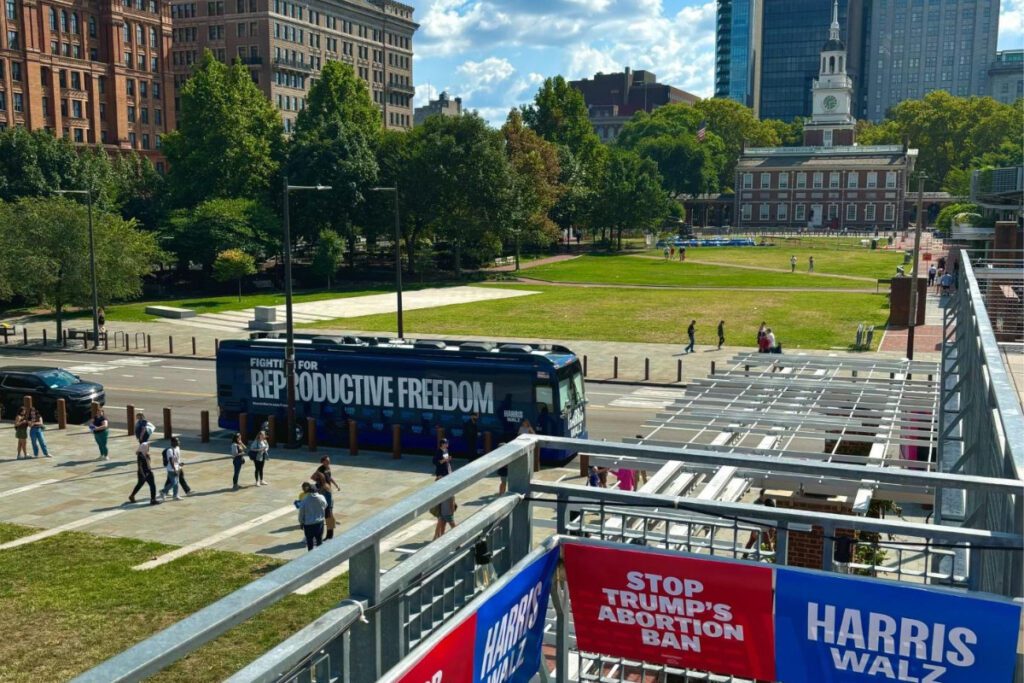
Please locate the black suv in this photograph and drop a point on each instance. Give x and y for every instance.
(45, 386)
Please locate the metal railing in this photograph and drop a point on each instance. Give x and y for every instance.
(981, 431)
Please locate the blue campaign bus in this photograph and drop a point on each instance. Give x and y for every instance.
(420, 385)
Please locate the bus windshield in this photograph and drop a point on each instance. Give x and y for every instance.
(570, 387)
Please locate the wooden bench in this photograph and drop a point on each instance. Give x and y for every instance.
(505, 261)
(85, 335)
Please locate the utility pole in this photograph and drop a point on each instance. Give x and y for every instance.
(912, 323)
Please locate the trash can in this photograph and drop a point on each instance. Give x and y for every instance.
(874, 244)
(907, 255)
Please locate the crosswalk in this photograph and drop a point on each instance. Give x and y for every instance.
(649, 398)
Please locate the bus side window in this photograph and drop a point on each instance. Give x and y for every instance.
(545, 396)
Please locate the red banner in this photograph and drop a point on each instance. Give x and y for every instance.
(450, 661)
(673, 610)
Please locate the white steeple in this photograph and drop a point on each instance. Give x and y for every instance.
(833, 31)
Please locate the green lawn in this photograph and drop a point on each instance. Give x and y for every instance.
(829, 258)
(817, 320)
(636, 270)
(71, 601)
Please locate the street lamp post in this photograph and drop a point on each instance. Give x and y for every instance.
(912, 323)
(398, 256)
(92, 268)
(289, 346)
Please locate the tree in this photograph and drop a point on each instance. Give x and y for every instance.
(631, 194)
(229, 141)
(34, 164)
(233, 264)
(945, 218)
(334, 142)
(327, 255)
(735, 125)
(789, 134)
(534, 183)
(199, 234)
(51, 238)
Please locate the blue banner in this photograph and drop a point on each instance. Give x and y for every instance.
(840, 629)
(510, 625)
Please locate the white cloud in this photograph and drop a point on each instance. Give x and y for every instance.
(484, 75)
(1011, 25)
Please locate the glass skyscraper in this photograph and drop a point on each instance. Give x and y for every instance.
(737, 51)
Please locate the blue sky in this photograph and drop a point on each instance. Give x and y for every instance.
(494, 53)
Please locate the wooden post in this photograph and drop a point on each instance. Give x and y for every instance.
(24, 336)
(130, 413)
(193, 346)
(216, 345)
(243, 426)
(26, 401)
(647, 369)
(536, 457)
(168, 428)
(5, 336)
(106, 341)
(712, 367)
(149, 343)
(311, 433)
(396, 441)
(62, 414)
(170, 345)
(584, 365)
(204, 426)
(679, 370)
(272, 430)
(94, 409)
(353, 438)
(44, 336)
(488, 442)
(63, 334)
(584, 465)
(439, 435)
(615, 367)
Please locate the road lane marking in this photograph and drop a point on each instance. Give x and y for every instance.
(215, 538)
(25, 540)
(182, 367)
(129, 376)
(27, 487)
(386, 545)
(206, 394)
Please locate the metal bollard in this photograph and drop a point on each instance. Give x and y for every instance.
(353, 438)
(712, 367)
(243, 425)
(746, 368)
(168, 429)
(130, 413)
(679, 370)
(584, 465)
(311, 433)
(106, 341)
(488, 442)
(193, 346)
(216, 345)
(584, 365)
(272, 430)
(62, 414)
(647, 369)
(615, 367)
(204, 426)
(24, 336)
(44, 336)
(170, 345)
(396, 441)
(64, 341)
(149, 343)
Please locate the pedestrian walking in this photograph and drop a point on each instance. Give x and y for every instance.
(144, 472)
(810, 264)
(100, 429)
(35, 432)
(625, 479)
(792, 263)
(471, 435)
(312, 512)
(670, 252)
(101, 318)
(237, 459)
(762, 338)
(593, 478)
(172, 465)
(182, 484)
(721, 333)
(682, 254)
(932, 271)
(143, 428)
(691, 332)
(324, 489)
(442, 460)
(766, 536)
(259, 453)
(21, 432)
(445, 516)
(773, 346)
(325, 469)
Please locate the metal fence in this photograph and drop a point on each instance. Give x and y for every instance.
(981, 428)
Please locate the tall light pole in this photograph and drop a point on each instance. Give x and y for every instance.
(912, 323)
(289, 345)
(92, 268)
(398, 256)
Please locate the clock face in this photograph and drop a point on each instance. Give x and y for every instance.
(831, 102)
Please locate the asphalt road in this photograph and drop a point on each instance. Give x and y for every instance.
(187, 386)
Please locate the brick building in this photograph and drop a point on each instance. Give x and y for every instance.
(284, 44)
(830, 182)
(94, 72)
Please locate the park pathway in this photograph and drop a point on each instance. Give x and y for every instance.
(684, 288)
(531, 264)
(786, 271)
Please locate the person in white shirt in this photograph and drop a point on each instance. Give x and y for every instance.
(259, 451)
(772, 344)
(172, 463)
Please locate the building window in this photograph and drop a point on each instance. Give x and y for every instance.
(782, 212)
(92, 27)
(801, 180)
(76, 109)
(152, 37)
(890, 179)
(76, 80)
(145, 141)
(827, 137)
(158, 143)
(869, 212)
(143, 89)
(766, 181)
(748, 181)
(851, 212)
(64, 21)
(16, 71)
(819, 179)
(872, 180)
(130, 87)
(74, 23)
(763, 212)
(53, 19)
(783, 181)
(126, 33)
(12, 40)
(851, 180)
(19, 101)
(799, 212)
(158, 119)
(745, 212)
(131, 140)
(156, 91)
(131, 114)
(833, 179)
(144, 115)
(833, 211)
(890, 212)
(79, 135)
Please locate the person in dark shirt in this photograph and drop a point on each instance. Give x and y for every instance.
(721, 333)
(442, 461)
(325, 469)
(471, 433)
(144, 472)
(690, 332)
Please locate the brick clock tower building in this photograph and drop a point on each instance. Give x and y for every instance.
(96, 72)
(830, 183)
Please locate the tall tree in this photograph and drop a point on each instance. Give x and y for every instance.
(333, 145)
(51, 237)
(327, 255)
(736, 125)
(631, 194)
(229, 141)
(534, 183)
(197, 235)
(34, 164)
(233, 264)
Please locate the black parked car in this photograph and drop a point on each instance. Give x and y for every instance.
(45, 386)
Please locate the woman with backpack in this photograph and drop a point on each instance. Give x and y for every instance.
(259, 453)
(237, 459)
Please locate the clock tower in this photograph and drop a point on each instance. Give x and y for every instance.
(832, 121)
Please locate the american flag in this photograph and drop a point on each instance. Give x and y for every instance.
(702, 131)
